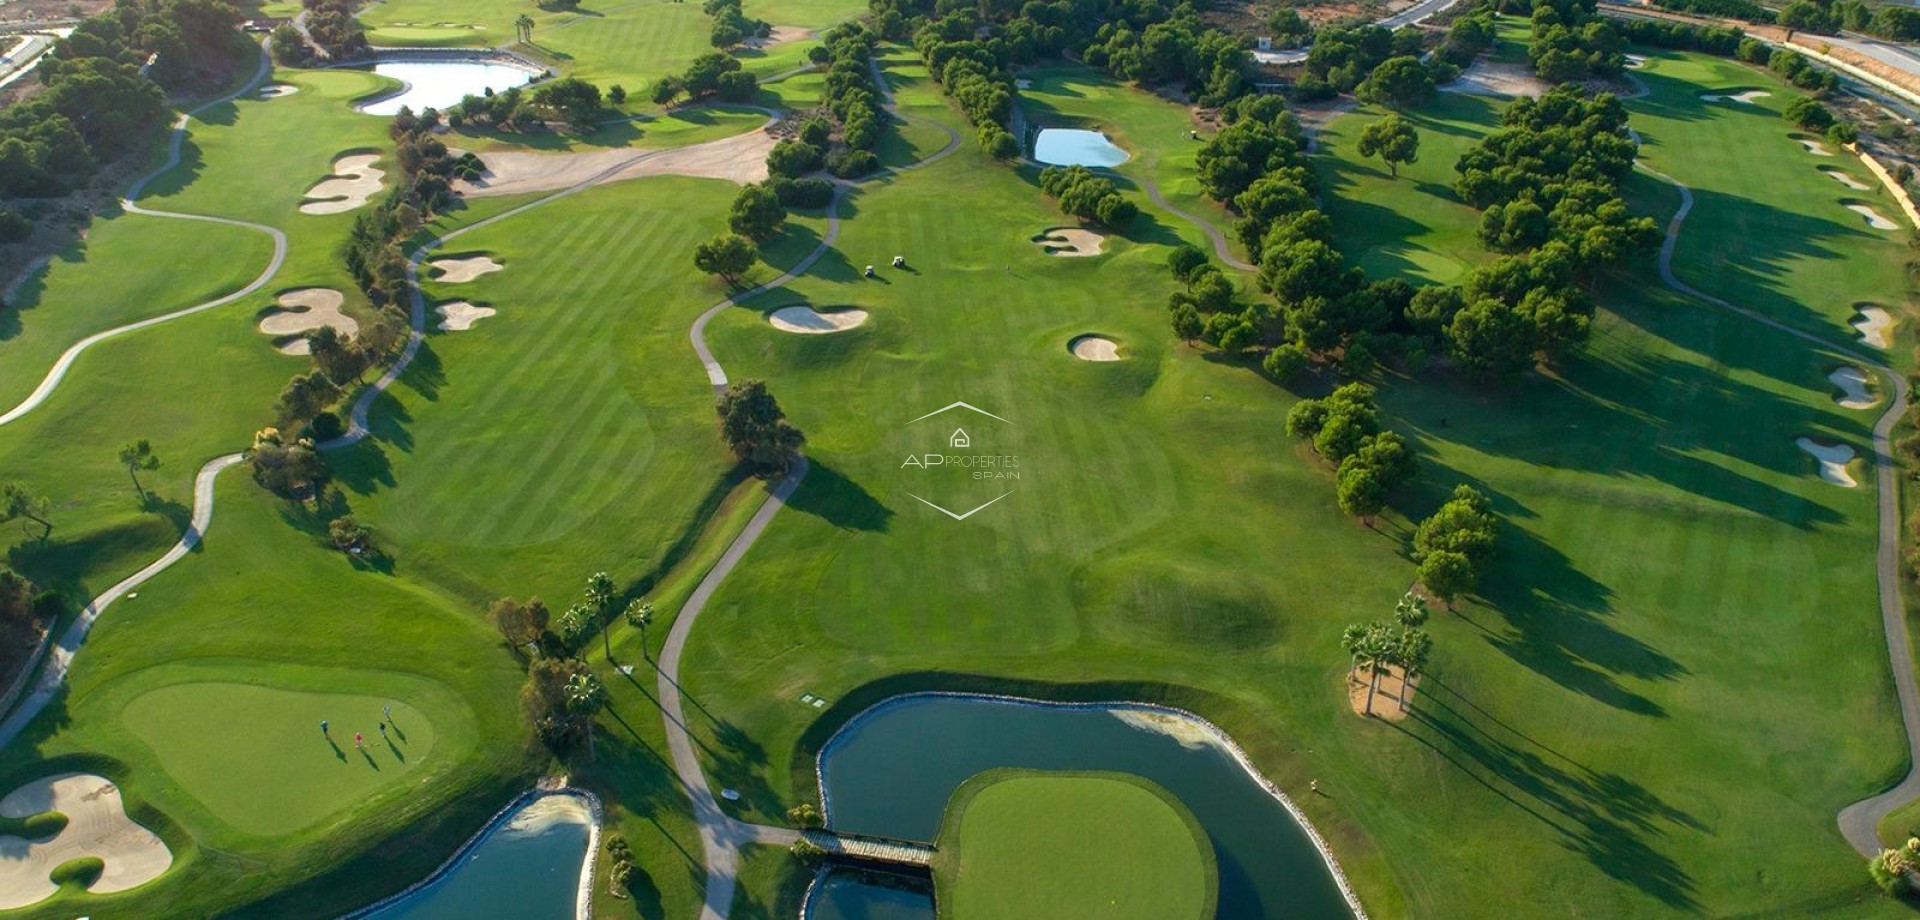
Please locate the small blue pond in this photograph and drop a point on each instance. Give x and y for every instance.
(442, 84)
(1076, 147)
(527, 868)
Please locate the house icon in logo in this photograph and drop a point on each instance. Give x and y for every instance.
(960, 438)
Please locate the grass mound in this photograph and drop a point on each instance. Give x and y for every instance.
(1018, 843)
(80, 873)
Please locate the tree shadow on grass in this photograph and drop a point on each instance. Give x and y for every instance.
(1605, 817)
(830, 495)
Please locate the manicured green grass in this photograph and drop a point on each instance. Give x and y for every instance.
(1672, 570)
(1071, 845)
(256, 756)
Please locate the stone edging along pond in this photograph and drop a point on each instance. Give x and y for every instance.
(583, 905)
(1225, 740)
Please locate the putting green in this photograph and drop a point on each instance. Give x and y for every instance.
(1100, 845)
(254, 756)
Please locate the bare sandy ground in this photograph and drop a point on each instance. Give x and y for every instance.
(97, 826)
(303, 311)
(1488, 78)
(741, 158)
(1747, 96)
(806, 321)
(277, 90)
(353, 182)
(1844, 179)
(781, 35)
(1875, 219)
(1873, 325)
(1393, 683)
(1094, 348)
(1852, 382)
(1070, 241)
(459, 316)
(1833, 460)
(460, 271)
(1188, 732)
(1814, 147)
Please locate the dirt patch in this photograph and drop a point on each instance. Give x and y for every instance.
(1392, 688)
(807, 321)
(1852, 382)
(1833, 460)
(741, 158)
(1070, 241)
(1094, 348)
(353, 183)
(459, 316)
(779, 35)
(461, 271)
(1491, 78)
(1844, 179)
(301, 312)
(1873, 324)
(97, 826)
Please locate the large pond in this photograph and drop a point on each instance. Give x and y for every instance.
(1076, 147)
(441, 84)
(527, 868)
(891, 770)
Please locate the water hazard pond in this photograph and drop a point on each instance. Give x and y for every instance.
(441, 84)
(526, 868)
(1076, 147)
(890, 771)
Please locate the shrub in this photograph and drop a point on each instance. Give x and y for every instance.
(327, 426)
(14, 226)
(852, 164)
(802, 193)
(794, 158)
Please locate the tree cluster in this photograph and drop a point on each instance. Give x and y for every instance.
(1573, 42)
(1792, 65)
(756, 430)
(333, 27)
(25, 611)
(1343, 57)
(289, 468)
(1345, 430)
(757, 213)
(1467, 38)
(1400, 643)
(1661, 33)
(1829, 17)
(715, 74)
(1454, 547)
(1725, 9)
(559, 701)
(1211, 65)
(971, 73)
(853, 101)
(1086, 196)
(730, 25)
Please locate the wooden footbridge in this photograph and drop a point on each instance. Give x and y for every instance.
(862, 848)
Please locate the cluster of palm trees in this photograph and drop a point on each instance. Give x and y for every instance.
(1398, 643)
(584, 694)
(523, 28)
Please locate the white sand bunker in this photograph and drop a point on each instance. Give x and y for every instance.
(1814, 147)
(741, 158)
(97, 826)
(1852, 382)
(459, 316)
(1636, 61)
(1875, 219)
(807, 321)
(1490, 78)
(461, 271)
(1844, 179)
(303, 311)
(1070, 241)
(353, 182)
(277, 90)
(779, 35)
(1746, 96)
(1094, 348)
(1873, 325)
(1833, 460)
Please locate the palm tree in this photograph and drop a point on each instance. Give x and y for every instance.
(1379, 655)
(586, 696)
(1353, 639)
(600, 596)
(1411, 612)
(1411, 651)
(640, 614)
(137, 456)
(523, 27)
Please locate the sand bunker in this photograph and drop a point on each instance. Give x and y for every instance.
(1070, 241)
(1875, 219)
(779, 35)
(1873, 325)
(1852, 382)
(97, 826)
(277, 90)
(353, 182)
(1190, 733)
(1746, 96)
(302, 312)
(1814, 147)
(741, 158)
(461, 271)
(1094, 348)
(1833, 460)
(1844, 179)
(1490, 78)
(459, 316)
(1636, 61)
(807, 321)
